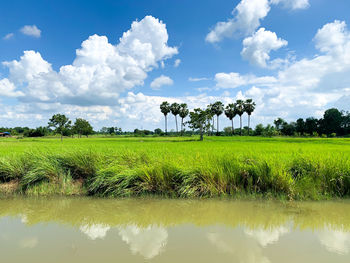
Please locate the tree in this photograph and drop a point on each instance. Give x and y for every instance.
(259, 129)
(288, 128)
(239, 109)
(198, 120)
(311, 125)
(165, 109)
(82, 127)
(231, 114)
(60, 122)
(218, 109)
(211, 114)
(300, 126)
(183, 114)
(249, 107)
(332, 120)
(158, 131)
(278, 123)
(175, 110)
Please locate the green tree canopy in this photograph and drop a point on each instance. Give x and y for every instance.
(82, 127)
(60, 123)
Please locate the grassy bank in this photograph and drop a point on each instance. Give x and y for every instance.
(274, 167)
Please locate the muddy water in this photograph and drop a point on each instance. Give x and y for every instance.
(151, 230)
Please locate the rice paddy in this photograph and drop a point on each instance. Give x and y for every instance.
(234, 167)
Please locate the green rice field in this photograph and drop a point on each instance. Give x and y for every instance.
(237, 167)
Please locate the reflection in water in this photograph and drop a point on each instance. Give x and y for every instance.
(336, 241)
(241, 249)
(267, 236)
(148, 241)
(173, 231)
(28, 242)
(95, 231)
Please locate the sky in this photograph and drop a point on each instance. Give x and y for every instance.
(114, 62)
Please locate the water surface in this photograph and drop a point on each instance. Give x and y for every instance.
(150, 230)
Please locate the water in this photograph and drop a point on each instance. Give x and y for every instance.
(96, 230)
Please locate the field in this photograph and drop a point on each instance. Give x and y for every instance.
(254, 167)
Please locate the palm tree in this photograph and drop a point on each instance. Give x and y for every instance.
(165, 109)
(218, 109)
(231, 113)
(175, 110)
(249, 107)
(239, 109)
(183, 114)
(211, 114)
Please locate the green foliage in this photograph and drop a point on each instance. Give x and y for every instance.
(82, 127)
(60, 122)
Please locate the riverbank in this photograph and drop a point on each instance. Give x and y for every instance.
(292, 169)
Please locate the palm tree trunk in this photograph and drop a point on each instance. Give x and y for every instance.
(248, 124)
(177, 131)
(240, 118)
(182, 124)
(166, 128)
(212, 127)
(233, 131)
(201, 133)
(217, 125)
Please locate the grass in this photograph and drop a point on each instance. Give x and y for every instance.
(286, 168)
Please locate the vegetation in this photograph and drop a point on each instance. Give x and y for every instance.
(60, 123)
(290, 168)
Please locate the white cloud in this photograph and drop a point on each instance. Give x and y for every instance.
(8, 36)
(293, 4)
(257, 48)
(161, 81)
(177, 63)
(306, 87)
(197, 79)
(332, 37)
(100, 71)
(247, 16)
(7, 89)
(31, 31)
(234, 80)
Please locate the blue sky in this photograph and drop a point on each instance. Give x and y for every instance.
(290, 56)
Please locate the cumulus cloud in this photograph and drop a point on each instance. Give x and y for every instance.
(161, 81)
(306, 86)
(8, 36)
(7, 89)
(257, 48)
(247, 16)
(100, 71)
(32, 31)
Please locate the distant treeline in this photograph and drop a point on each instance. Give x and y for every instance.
(333, 123)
